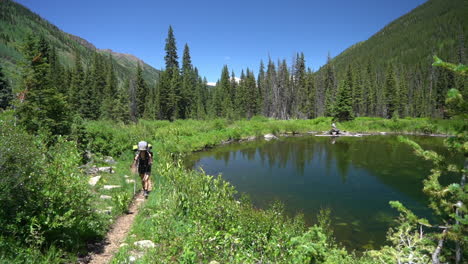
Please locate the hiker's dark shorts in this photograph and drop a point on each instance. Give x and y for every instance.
(144, 169)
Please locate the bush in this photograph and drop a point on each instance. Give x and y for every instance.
(45, 199)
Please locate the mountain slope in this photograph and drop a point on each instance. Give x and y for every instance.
(17, 21)
(436, 27)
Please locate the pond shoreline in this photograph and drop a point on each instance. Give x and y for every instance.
(316, 133)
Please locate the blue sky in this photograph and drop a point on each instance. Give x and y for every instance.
(236, 33)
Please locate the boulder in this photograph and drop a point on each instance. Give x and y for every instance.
(270, 137)
(105, 197)
(145, 244)
(109, 187)
(93, 180)
(109, 160)
(106, 169)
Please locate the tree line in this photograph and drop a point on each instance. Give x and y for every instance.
(53, 92)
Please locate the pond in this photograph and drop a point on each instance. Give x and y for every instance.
(354, 177)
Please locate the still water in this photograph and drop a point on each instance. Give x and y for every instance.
(354, 177)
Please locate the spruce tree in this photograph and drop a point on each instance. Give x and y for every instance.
(43, 107)
(343, 108)
(261, 87)
(6, 94)
(141, 91)
(311, 92)
(299, 100)
(122, 105)
(225, 104)
(329, 87)
(110, 91)
(171, 57)
(251, 93)
(391, 93)
(77, 82)
(189, 78)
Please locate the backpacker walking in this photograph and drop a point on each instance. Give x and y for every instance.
(143, 161)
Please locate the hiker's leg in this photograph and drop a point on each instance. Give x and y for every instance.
(142, 177)
(146, 181)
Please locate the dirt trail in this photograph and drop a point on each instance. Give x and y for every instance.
(105, 250)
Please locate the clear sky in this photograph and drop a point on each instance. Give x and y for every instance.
(237, 33)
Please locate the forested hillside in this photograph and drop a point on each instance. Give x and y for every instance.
(16, 22)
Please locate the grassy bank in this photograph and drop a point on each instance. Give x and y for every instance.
(193, 217)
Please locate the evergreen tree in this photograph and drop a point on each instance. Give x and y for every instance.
(251, 93)
(122, 104)
(225, 106)
(75, 95)
(110, 91)
(189, 78)
(6, 94)
(150, 104)
(310, 88)
(141, 91)
(261, 87)
(329, 87)
(343, 108)
(391, 93)
(171, 57)
(300, 95)
(43, 108)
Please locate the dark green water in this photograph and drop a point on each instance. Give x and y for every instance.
(354, 177)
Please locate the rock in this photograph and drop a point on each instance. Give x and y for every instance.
(126, 176)
(251, 138)
(270, 137)
(145, 244)
(214, 262)
(90, 170)
(109, 160)
(106, 169)
(105, 197)
(383, 133)
(93, 180)
(132, 259)
(109, 187)
(123, 245)
(225, 142)
(129, 181)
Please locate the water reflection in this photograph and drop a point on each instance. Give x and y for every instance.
(355, 177)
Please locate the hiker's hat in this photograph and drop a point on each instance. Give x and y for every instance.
(142, 145)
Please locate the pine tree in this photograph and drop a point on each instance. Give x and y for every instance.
(343, 108)
(141, 91)
(174, 95)
(6, 94)
(171, 57)
(110, 90)
(261, 86)
(299, 100)
(43, 107)
(225, 104)
(150, 104)
(329, 87)
(391, 93)
(122, 105)
(189, 78)
(77, 83)
(251, 92)
(311, 92)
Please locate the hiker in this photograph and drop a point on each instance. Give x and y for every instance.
(334, 130)
(143, 161)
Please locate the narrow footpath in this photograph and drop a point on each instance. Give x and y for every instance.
(106, 249)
